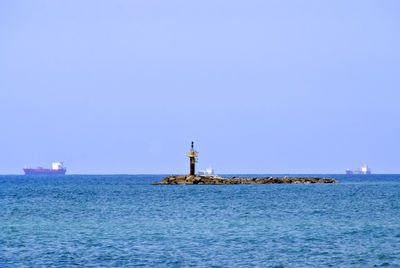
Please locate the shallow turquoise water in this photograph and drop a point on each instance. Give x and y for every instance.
(123, 220)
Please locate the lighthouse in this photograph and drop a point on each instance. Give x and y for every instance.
(193, 158)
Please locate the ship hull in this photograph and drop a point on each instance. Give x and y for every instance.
(42, 171)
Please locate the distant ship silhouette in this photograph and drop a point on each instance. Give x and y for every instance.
(364, 170)
(57, 168)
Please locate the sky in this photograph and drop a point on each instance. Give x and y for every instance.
(124, 86)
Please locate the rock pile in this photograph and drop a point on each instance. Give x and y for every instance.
(213, 179)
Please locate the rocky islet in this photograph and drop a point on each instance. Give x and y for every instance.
(214, 179)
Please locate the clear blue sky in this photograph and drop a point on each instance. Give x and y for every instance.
(260, 86)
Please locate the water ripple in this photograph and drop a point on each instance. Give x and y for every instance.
(114, 221)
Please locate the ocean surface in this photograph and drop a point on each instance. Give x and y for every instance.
(124, 221)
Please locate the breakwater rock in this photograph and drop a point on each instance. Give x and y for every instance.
(213, 179)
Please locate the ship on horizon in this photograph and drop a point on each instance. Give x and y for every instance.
(57, 168)
(364, 170)
(207, 171)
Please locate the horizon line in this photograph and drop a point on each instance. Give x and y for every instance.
(70, 174)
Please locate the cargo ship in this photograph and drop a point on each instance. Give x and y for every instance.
(57, 168)
(363, 170)
(207, 171)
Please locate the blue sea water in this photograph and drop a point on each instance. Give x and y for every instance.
(124, 221)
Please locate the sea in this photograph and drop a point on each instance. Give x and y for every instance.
(125, 221)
